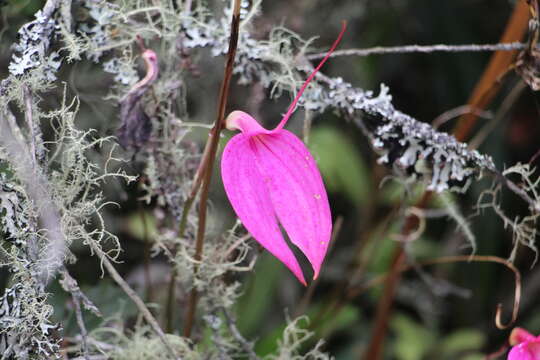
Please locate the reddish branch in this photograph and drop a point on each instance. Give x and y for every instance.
(206, 173)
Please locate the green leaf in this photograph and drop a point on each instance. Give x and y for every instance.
(257, 299)
(462, 340)
(142, 225)
(325, 326)
(331, 323)
(341, 165)
(413, 340)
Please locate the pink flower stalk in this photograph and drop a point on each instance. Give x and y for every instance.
(270, 176)
(525, 345)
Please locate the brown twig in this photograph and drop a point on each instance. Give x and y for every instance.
(69, 284)
(247, 346)
(500, 61)
(382, 315)
(458, 258)
(457, 112)
(498, 353)
(502, 112)
(212, 150)
(134, 297)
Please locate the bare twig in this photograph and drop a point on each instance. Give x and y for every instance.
(212, 146)
(70, 285)
(134, 297)
(246, 345)
(458, 258)
(49, 8)
(497, 354)
(392, 281)
(28, 115)
(459, 111)
(407, 49)
(188, 203)
(308, 119)
(506, 105)
(489, 83)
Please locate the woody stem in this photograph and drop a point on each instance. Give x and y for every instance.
(207, 170)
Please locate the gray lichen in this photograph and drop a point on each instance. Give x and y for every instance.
(410, 147)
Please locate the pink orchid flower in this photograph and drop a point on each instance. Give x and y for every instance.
(525, 345)
(270, 176)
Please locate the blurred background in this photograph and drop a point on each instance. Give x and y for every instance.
(440, 312)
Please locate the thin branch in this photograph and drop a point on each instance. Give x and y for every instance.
(134, 297)
(452, 259)
(212, 150)
(188, 203)
(70, 285)
(28, 115)
(407, 49)
(497, 354)
(505, 107)
(459, 111)
(246, 345)
(65, 12)
(499, 65)
(390, 287)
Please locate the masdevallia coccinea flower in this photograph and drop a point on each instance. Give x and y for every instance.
(269, 177)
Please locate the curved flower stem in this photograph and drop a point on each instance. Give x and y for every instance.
(209, 157)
